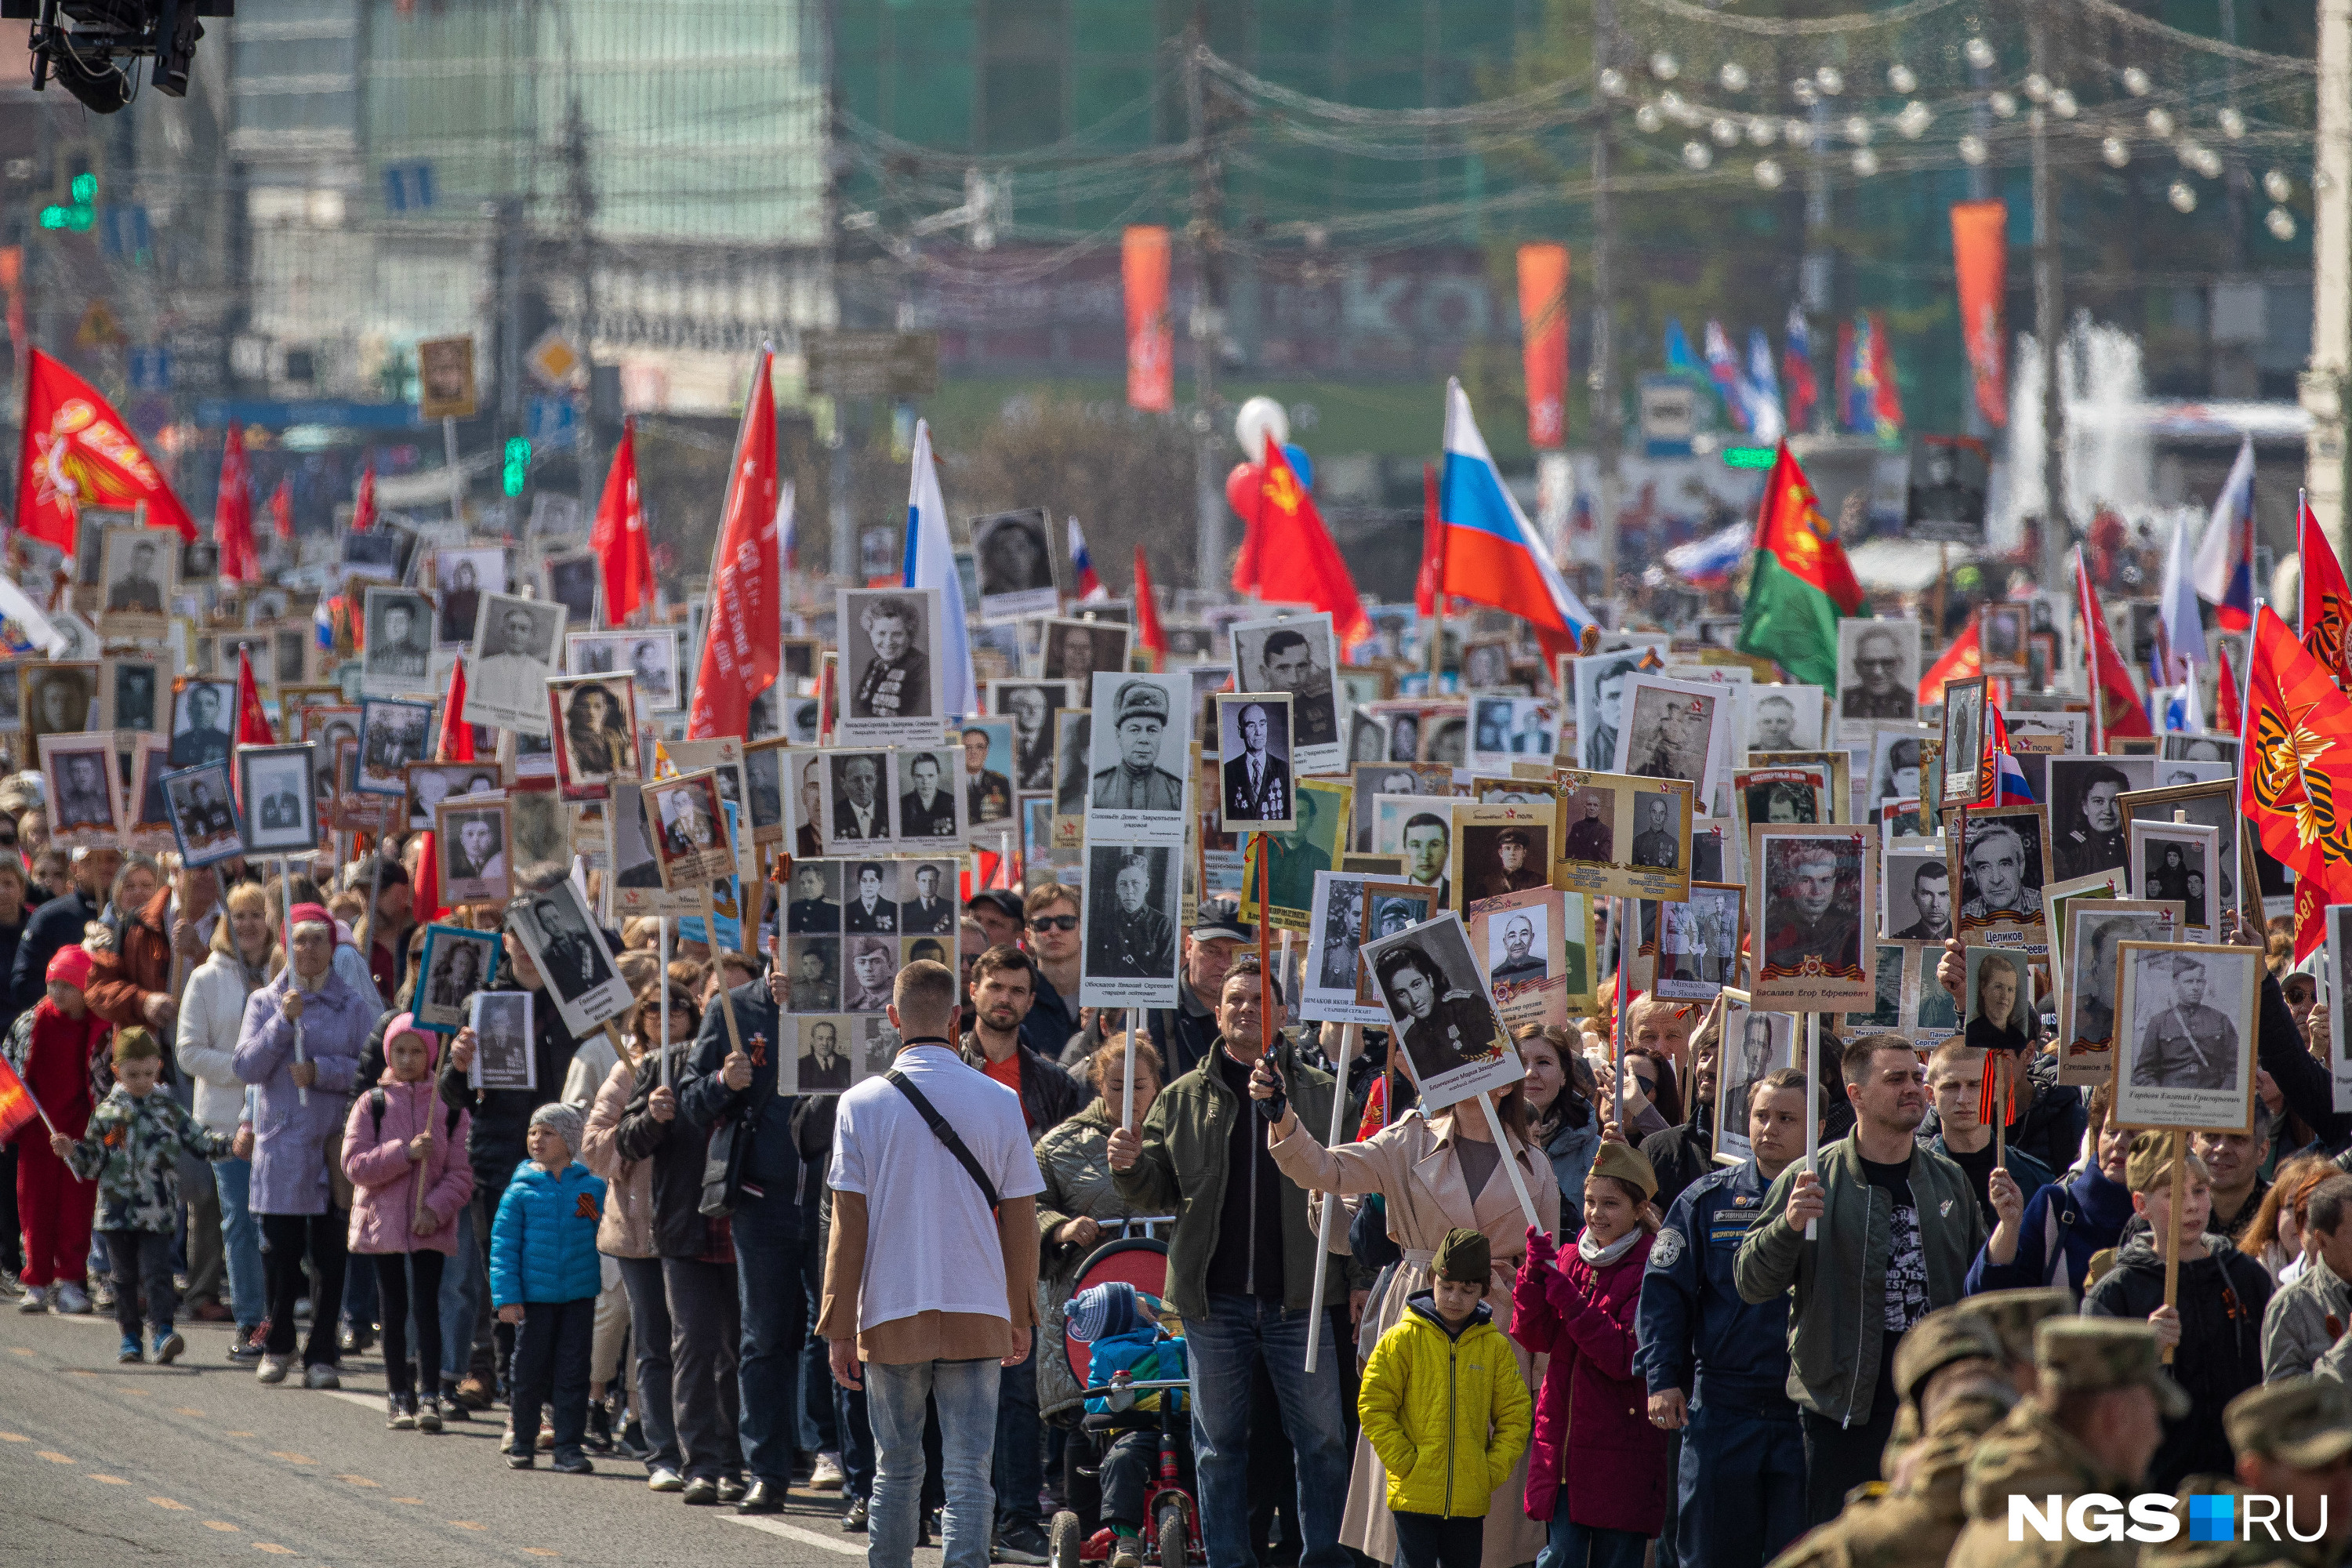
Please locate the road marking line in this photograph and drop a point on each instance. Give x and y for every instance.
(364, 1401)
(272, 1546)
(14, 1438)
(234, 1434)
(467, 1524)
(795, 1533)
(165, 1502)
(541, 1551)
(291, 1458)
(413, 1500)
(359, 1481)
(21, 1350)
(219, 1524)
(109, 1480)
(53, 1457)
(185, 1410)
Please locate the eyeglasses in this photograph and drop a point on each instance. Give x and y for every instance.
(1054, 922)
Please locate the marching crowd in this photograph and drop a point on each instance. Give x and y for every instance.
(657, 1257)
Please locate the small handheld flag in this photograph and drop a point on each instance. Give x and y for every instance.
(1082, 565)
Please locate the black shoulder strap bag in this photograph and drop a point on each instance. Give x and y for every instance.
(944, 1130)
(722, 1164)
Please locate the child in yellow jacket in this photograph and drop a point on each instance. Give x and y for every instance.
(1445, 1408)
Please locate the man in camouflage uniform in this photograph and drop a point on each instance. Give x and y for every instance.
(2294, 1441)
(2189, 1045)
(1949, 1372)
(2092, 1427)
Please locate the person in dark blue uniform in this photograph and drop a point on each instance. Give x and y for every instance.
(1717, 1368)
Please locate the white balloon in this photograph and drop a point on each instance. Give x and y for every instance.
(1257, 420)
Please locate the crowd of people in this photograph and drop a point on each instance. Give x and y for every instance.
(656, 1257)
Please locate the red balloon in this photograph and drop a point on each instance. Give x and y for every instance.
(1243, 487)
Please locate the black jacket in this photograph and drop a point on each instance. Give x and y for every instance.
(55, 924)
(773, 1162)
(1051, 1021)
(1680, 1155)
(2222, 1300)
(496, 1145)
(676, 1148)
(1050, 1093)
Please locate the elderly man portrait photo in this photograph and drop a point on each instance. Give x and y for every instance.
(1999, 864)
(515, 646)
(858, 811)
(1257, 781)
(1655, 842)
(1520, 964)
(1874, 687)
(1136, 781)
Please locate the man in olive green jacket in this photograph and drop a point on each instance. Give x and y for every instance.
(1898, 1225)
(1241, 1270)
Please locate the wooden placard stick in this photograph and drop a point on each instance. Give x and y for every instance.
(286, 901)
(1265, 956)
(726, 998)
(1314, 1316)
(661, 923)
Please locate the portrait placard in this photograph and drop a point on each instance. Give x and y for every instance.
(1817, 895)
(1522, 943)
(2187, 1012)
(1997, 1001)
(430, 783)
(2086, 811)
(2174, 861)
(2086, 999)
(2179, 746)
(1756, 1045)
(1391, 778)
(574, 580)
(457, 962)
(1136, 760)
(1255, 785)
(1420, 829)
(204, 814)
(634, 885)
(144, 803)
(1076, 650)
(1999, 868)
(1429, 982)
(2057, 734)
(986, 774)
(930, 814)
(503, 1056)
(1780, 795)
(1624, 838)
(853, 801)
(392, 734)
(1012, 559)
(1131, 898)
(472, 836)
(595, 741)
(1504, 725)
(1312, 844)
(2057, 896)
(1072, 752)
(85, 799)
(61, 698)
(1896, 752)
(1499, 850)
(140, 575)
(1878, 665)
(555, 927)
(1599, 684)
(2214, 806)
(518, 644)
(1963, 738)
(461, 577)
(398, 659)
(1335, 933)
(1298, 656)
(1698, 942)
(1031, 705)
(1915, 891)
(128, 694)
(1389, 908)
(1675, 730)
(1888, 962)
(685, 816)
(1785, 717)
(279, 791)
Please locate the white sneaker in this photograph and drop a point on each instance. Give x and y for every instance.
(318, 1375)
(37, 1299)
(273, 1368)
(828, 1475)
(72, 1298)
(664, 1480)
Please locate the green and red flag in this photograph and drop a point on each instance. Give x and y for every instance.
(2296, 786)
(1802, 583)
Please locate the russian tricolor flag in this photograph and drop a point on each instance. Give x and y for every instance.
(930, 563)
(1090, 586)
(1492, 554)
(2225, 560)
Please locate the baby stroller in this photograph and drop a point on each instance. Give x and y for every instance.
(1116, 1306)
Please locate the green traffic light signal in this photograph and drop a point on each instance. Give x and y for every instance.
(518, 464)
(1750, 456)
(85, 189)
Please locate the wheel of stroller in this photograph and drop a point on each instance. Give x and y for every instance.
(1172, 1547)
(1065, 1539)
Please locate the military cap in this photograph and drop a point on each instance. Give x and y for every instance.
(1938, 1341)
(1464, 1258)
(2094, 1355)
(1139, 700)
(2012, 1315)
(2303, 1421)
(1513, 836)
(2149, 1165)
(1627, 1164)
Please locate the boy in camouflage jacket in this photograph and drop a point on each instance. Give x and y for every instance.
(131, 1149)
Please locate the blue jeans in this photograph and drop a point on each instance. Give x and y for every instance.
(1020, 1472)
(248, 1286)
(965, 1392)
(1585, 1546)
(768, 1284)
(1225, 1348)
(460, 1303)
(1741, 1489)
(649, 1335)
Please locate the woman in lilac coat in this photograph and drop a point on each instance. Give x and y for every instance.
(292, 1140)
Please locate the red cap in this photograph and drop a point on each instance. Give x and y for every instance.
(71, 965)
(310, 914)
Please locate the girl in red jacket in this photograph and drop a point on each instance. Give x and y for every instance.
(1597, 1468)
(54, 1047)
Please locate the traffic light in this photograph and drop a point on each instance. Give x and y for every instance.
(80, 211)
(518, 464)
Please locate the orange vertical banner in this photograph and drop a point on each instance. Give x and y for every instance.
(1150, 340)
(1981, 258)
(1543, 327)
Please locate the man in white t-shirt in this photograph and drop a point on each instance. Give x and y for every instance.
(949, 1295)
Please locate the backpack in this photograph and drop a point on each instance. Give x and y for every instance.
(376, 1103)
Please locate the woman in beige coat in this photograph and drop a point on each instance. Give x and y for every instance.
(1422, 1169)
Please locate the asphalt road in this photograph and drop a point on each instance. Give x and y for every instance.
(106, 1465)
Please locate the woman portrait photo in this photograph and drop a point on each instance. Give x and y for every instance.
(1997, 1003)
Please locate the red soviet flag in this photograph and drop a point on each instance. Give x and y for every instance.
(1149, 633)
(742, 648)
(619, 535)
(233, 514)
(252, 723)
(78, 452)
(2326, 614)
(281, 508)
(1290, 557)
(363, 503)
(2294, 777)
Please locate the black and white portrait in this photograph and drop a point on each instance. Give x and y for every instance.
(1963, 751)
(204, 814)
(282, 814)
(1031, 705)
(516, 645)
(463, 576)
(649, 658)
(80, 775)
(892, 684)
(927, 901)
(1138, 752)
(1420, 829)
(472, 843)
(1877, 669)
(986, 772)
(1504, 728)
(202, 719)
(1429, 982)
(2086, 814)
(1699, 942)
(1372, 780)
(503, 1058)
(1073, 760)
(1253, 748)
(62, 699)
(1485, 666)
(930, 808)
(1999, 862)
(398, 659)
(1894, 755)
(2094, 928)
(1784, 719)
(1132, 893)
(873, 964)
(374, 552)
(539, 852)
(145, 804)
(457, 962)
(812, 975)
(1335, 931)
(2001, 636)
(130, 691)
(142, 572)
(1997, 1001)
(763, 773)
(1917, 901)
(1670, 731)
(1601, 683)
(854, 808)
(2187, 1018)
(1755, 1045)
(595, 741)
(1014, 554)
(573, 582)
(2176, 861)
(392, 734)
(430, 783)
(554, 926)
(1498, 857)
(1368, 737)
(1078, 651)
(1297, 656)
(2187, 748)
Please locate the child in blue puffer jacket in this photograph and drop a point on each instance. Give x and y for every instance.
(544, 1276)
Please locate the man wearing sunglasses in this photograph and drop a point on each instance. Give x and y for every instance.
(1052, 937)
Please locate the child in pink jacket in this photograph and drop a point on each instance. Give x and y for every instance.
(1597, 1470)
(404, 1152)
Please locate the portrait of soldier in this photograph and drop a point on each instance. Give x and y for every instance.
(1590, 835)
(1656, 844)
(1931, 894)
(811, 909)
(927, 910)
(1136, 782)
(896, 684)
(1520, 964)
(1772, 725)
(457, 973)
(398, 646)
(988, 794)
(84, 800)
(136, 590)
(1750, 1060)
(1673, 742)
(1428, 842)
(1444, 1026)
(1343, 933)
(1805, 920)
(2095, 840)
(204, 740)
(868, 910)
(202, 817)
(1510, 864)
(871, 965)
(1131, 939)
(2186, 1045)
(1609, 713)
(1288, 660)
